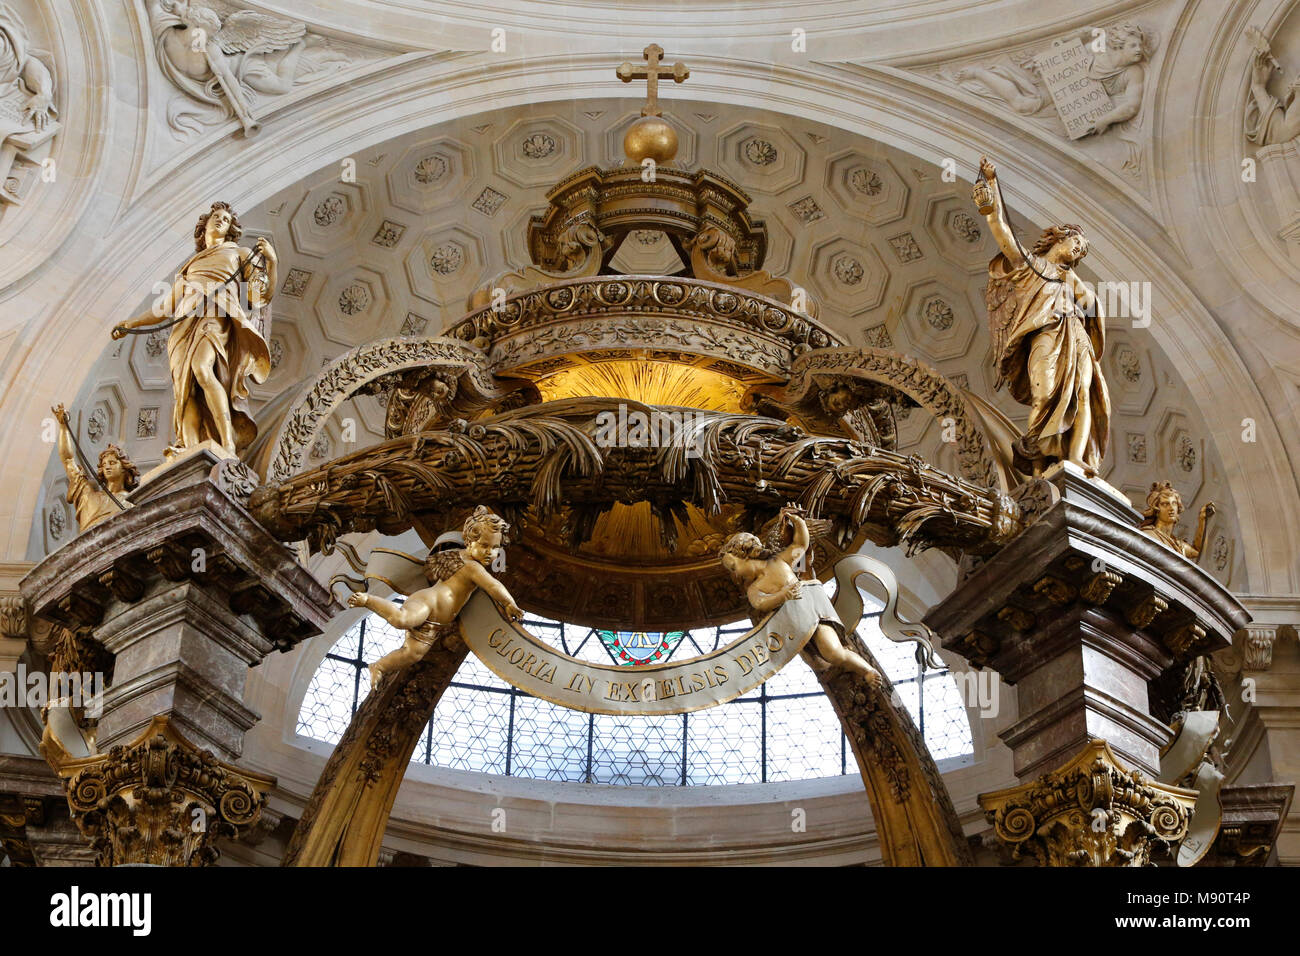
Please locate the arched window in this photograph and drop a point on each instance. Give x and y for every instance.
(784, 729)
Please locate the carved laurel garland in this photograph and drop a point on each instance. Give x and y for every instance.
(341, 379)
(913, 378)
(555, 460)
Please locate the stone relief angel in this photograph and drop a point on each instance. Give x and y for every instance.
(1272, 123)
(224, 61)
(26, 83)
(1120, 68)
(1270, 119)
(26, 100)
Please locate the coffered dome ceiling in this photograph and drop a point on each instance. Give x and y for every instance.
(394, 240)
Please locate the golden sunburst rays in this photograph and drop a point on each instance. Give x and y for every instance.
(653, 383)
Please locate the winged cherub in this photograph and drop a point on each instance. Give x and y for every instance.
(453, 578)
(769, 580)
(1048, 336)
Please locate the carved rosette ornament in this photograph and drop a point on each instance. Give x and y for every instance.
(157, 800)
(1091, 812)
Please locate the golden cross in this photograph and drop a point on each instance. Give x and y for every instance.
(651, 73)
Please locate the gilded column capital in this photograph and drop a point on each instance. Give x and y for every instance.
(157, 800)
(1091, 812)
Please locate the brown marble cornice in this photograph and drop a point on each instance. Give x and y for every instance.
(158, 543)
(1079, 564)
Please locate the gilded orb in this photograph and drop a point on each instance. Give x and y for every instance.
(650, 137)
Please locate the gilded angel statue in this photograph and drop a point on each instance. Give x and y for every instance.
(219, 303)
(769, 580)
(453, 578)
(115, 476)
(1164, 508)
(1048, 336)
(221, 62)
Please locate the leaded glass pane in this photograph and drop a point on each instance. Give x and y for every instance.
(947, 728)
(725, 745)
(795, 678)
(474, 671)
(898, 659)
(642, 751)
(803, 739)
(469, 730)
(474, 727)
(328, 705)
(550, 742)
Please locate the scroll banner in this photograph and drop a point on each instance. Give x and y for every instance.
(1199, 729)
(537, 668)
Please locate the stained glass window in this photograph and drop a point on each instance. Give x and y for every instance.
(782, 730)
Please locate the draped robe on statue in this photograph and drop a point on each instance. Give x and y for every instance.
(1039, 340)
(218, 313)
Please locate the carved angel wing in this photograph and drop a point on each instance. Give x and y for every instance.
(246, 31)
(444, 564)
(1000, 299)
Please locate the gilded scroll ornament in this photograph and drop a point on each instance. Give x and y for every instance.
(158, 800)
(1091, 812)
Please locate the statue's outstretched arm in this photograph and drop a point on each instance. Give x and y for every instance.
(799, 546)
(162, 309)
(65, 441)
(1202, 522)
(995, 215)
(496, 591)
